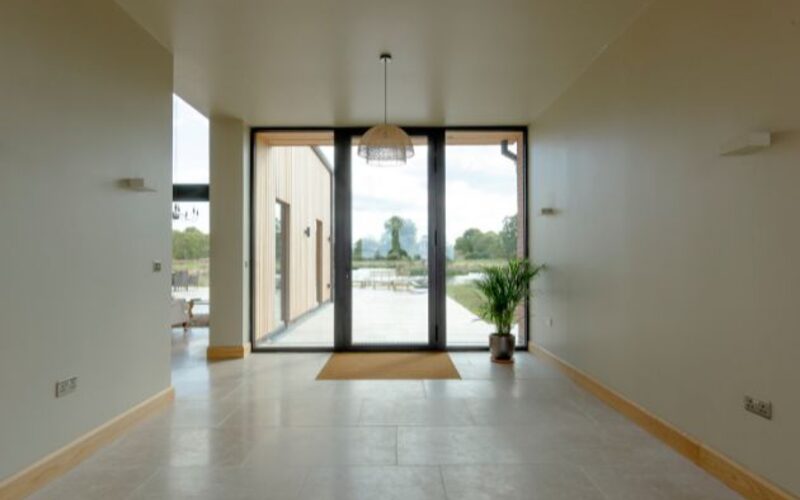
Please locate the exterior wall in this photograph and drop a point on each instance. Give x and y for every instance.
(296, 176)
(86, 101)
(672, 271)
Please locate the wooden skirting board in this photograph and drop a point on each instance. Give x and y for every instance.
(57, 463)
(747, 483)
(220, 352)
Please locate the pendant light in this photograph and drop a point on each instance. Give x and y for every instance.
(385, 144)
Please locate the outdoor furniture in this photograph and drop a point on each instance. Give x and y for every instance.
(183, 279)
(390, 278)
(180, 313)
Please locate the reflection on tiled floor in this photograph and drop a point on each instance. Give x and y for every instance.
(263, 428)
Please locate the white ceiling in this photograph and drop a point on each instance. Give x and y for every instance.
(315, 62)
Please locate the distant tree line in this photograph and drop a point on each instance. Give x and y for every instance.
(190, 244)
(399, 242)
(476, 244)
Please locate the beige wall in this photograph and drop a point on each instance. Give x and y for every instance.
(85, 100)
(229, 204)
(296, 176)
(673, 271)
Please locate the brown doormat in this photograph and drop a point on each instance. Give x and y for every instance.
(388, 366)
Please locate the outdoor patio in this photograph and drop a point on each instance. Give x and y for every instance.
(384, 316)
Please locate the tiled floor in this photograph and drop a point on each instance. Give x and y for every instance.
(263, 428)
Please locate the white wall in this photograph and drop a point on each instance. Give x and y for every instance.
(85, 100)
(674, 273)
(229, 188)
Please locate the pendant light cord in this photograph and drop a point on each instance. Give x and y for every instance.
(385, 91)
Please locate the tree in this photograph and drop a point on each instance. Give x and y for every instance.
(393, 226)
(358, 252)
(190, 244)
(408, 237)
(475, 244)
(508, 236)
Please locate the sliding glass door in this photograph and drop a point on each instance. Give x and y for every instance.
(389, 257)
(365, 257)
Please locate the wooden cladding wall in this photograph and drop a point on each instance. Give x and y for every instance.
(296, 176)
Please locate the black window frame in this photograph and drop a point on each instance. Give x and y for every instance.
(342, 231)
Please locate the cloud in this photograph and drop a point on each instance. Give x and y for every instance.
(481, 189)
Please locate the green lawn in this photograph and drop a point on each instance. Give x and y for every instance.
(467, 295)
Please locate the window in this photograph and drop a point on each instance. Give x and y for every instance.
(292, 195)
(484, 221)
(190, 218)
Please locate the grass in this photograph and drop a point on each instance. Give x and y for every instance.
(467, 295)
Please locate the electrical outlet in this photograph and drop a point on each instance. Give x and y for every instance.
(156, 266)
(758, 407)
(66, 386)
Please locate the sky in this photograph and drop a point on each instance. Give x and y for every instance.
(480, 187)
(189, 158)
(480, 183)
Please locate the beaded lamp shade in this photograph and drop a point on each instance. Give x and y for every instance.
(385, 144)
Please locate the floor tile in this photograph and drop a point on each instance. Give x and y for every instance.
(88, 482)
(415, 412)
(230, 483)
(324, 446)
(164, 446)
(264, 427)
(625, 484)
(518, 482)
(370, 483)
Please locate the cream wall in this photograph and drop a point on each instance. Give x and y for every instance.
(85, 100)
(673, 274)
(229, 189)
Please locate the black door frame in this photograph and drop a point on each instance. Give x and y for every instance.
(342, 231)
(343, 244)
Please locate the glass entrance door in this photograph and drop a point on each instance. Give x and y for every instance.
(390, 275)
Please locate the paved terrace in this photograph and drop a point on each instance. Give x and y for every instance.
(384, 316)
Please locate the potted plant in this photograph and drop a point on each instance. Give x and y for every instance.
(504, 288)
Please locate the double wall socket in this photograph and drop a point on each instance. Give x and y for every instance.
(758, 407)
(66, 386)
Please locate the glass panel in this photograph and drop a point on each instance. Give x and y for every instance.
(292, 266)
(189, 144)
(390, 250)
(190, 269)
(279, 246)
(483, 224)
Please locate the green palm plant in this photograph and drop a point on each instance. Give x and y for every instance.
(503, 288)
